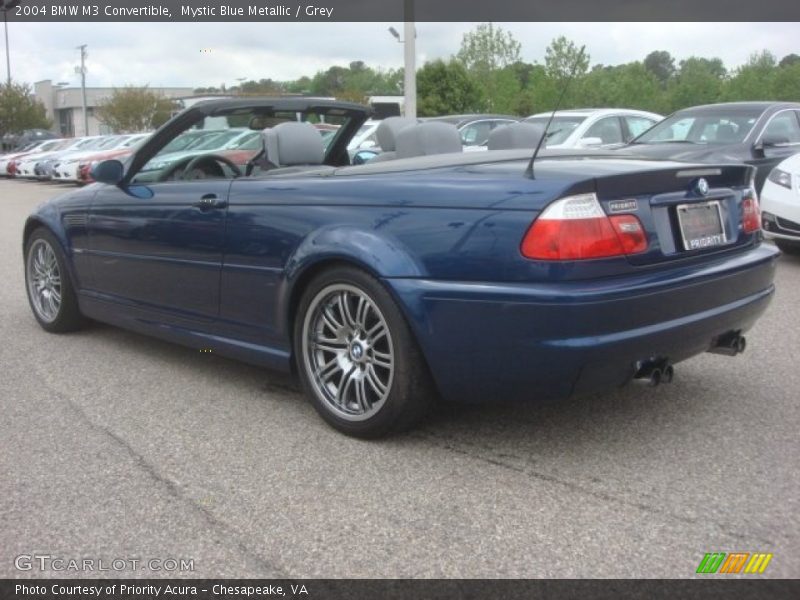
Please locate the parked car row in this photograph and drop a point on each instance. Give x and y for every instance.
(71, 160)
(66, 160)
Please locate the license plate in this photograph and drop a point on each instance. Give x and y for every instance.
(701, 225)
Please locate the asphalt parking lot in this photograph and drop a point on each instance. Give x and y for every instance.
(115, 445)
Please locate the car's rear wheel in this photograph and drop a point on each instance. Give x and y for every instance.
(50, 291)
(356, 356)
(788, 247)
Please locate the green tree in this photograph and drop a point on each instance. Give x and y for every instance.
(661, 64)
(563, 59)
(262, 87)
(754, 80)
(131, 109)
(786, 84)
(299, 86)
(354, 81)
(624, 86)
(699, 81)
(488, 53)
(487, 49)
(19, 110)
(540, 92)
(788, 60)
(446, 88)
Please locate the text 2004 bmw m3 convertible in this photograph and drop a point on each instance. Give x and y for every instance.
(427, 272)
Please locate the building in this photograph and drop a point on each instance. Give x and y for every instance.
(64, 106)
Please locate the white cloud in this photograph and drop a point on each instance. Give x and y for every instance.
(169, 54)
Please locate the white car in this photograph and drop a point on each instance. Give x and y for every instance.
(40, 146)
(66, 169)
(26, 167)
(780, 205)
(594, 127)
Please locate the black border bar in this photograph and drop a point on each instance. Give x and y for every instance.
(395, 10)
(711, 588)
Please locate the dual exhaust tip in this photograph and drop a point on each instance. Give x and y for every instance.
(730, 344)
(658, 370)
(655, 370)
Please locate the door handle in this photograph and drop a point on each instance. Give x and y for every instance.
(210, 201)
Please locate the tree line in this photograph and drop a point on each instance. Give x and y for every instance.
(487, 74)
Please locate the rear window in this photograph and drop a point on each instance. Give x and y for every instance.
(560, 129)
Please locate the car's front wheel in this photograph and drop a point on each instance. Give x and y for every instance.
(357, 358)
(50, 291)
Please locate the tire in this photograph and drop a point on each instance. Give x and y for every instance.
(367, 378)
(788, 247)
(51, 294)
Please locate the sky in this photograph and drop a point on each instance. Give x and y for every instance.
(210, 54)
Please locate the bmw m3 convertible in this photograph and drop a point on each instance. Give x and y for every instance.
(430, 273)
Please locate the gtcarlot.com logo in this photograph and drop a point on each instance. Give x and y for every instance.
(735, 562)
(45, 562)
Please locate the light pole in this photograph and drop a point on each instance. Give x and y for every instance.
(82, 70)
(409, 59)
(7, 5)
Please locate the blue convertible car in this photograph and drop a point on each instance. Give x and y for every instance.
(428, 272)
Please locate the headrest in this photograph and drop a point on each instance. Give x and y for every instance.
(726, 133)
(293, 143)
(389, 128)
(430, 137)
(515, 136)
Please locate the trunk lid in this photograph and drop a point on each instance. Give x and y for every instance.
(686, 211)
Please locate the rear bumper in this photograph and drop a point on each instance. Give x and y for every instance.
(491, 342)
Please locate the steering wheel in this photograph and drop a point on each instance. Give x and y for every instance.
(191, 170)
(237, 172)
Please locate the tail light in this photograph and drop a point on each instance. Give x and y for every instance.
(751, 212)
(576, 228)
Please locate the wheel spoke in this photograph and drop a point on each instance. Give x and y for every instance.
(326, 371)
(51, 305)
(374, 381)
(361, 395)
(377, 332)
(382, 359)
(50, 262)
(346, 314)
(329, 345)
(330, 320)
(362, 308)
(344, 385)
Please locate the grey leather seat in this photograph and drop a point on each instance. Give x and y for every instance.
(293, 144)
(515, 136)
(386, 133)
(429, 137)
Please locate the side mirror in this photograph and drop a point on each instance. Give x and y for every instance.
(772, 139)
(587, 142)
(108, 171)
